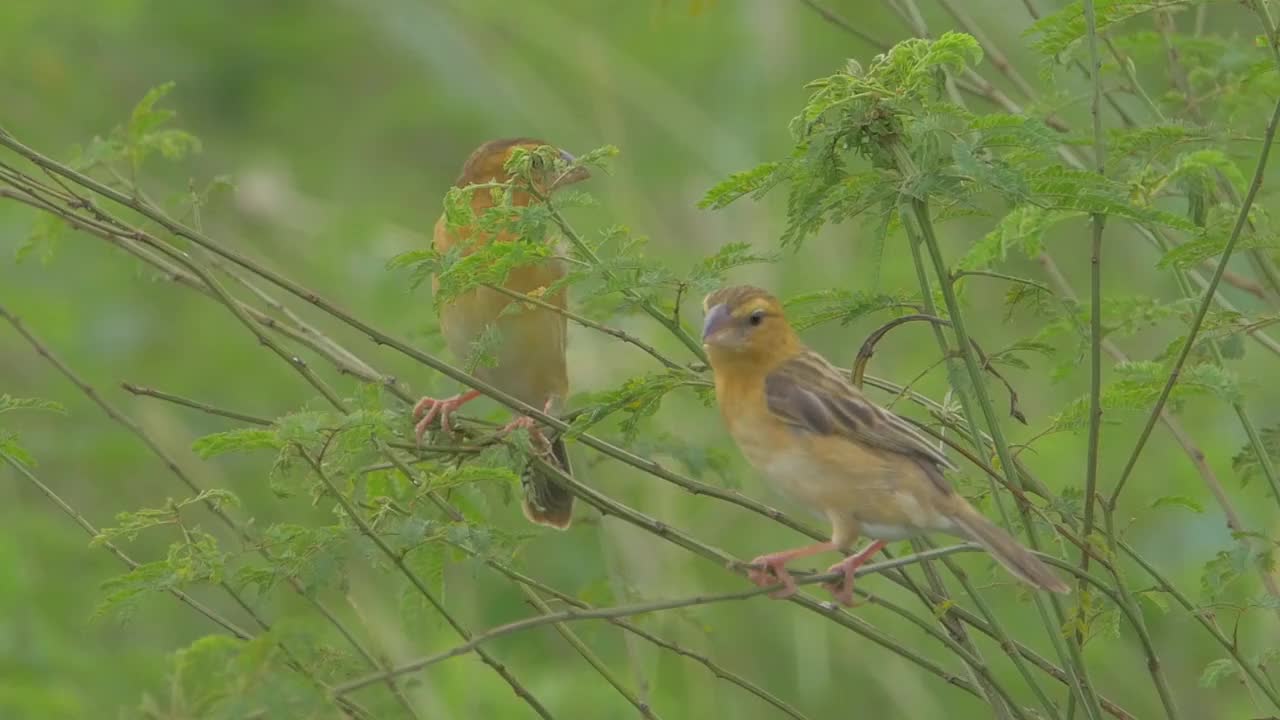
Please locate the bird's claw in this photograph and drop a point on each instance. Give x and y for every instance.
(541, 445)
(774, 571)
(428, 409)
(523, 421)
(842, 590)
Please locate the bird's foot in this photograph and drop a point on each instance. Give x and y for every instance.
(774, 568)
(774, 571)
(524, 421)
(429, 408)
(843, 590)
(540, 443)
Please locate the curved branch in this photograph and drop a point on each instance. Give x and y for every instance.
(869, 347)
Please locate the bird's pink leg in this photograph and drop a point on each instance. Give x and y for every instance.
(428, 408)
(775, 567)
(844, 590)
(526, 422)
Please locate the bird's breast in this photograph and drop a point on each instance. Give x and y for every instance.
(784, 459)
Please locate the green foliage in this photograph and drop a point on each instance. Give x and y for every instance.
(143, 135)
(11, 447)
(44, 239)
(219, 678)
(528, 232)
(1132, 146)
(868, 142)
(1061, 33)
(483, 351)
(8, 403)
(10, 444)
(843, 306)
(698, 460)
(237, 440)
(1217, 671)
(1141, 382)
(427, 561)
(1246, 463)
(1226, 567)
(1217, 221)
(754, 182)
(1022, 229)
(709, 272)
(314, 557)
(638, 398)
(129, 524)
(1180, 501)
(121, 594)
(859, 111)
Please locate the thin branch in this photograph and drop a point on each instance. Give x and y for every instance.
(672, 324)
(609, 506)
(976, 622)
(194, 404)
(120, 554)
(716, 669)
(121, 236)
(577, 614)
(1229, 645)
(1098, 223)
(1183, 439)
(113, 413)
(541, 606)
(382, 338)
(398, 560)
(1001, 276)
(919, 228)
(587, 322)
(1254, 186)
(992, 53)
(1023, 651)
(1207, 476)
(868, 349)
(835, 19)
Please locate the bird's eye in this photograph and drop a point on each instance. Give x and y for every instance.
(756, 317)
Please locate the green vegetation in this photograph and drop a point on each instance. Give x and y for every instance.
(214, 224)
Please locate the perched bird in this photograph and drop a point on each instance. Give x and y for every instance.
(530, 351)
(821, 442)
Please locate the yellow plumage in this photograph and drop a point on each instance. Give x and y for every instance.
(530, 353)
(819, 440)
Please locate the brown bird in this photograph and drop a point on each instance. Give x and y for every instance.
(530, 352)
(821, 442)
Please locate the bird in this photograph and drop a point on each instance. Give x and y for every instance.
(822, 443)
(530, 350)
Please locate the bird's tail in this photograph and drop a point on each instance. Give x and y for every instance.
(1016, 559)
(546, 501)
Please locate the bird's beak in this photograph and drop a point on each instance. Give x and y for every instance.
(573, 175)
(717, 318)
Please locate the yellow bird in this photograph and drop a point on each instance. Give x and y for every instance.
(821, 442)
(530, 352)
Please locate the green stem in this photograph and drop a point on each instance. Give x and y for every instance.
(397, 559)
(587, 654)
(919, 224)
(1099, 222)
(669, 322)
(1229, 645)
(1241, 219)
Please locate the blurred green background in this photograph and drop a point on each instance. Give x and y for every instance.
(342, 124)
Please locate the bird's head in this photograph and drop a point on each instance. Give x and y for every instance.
(746, 324)
(487, 163)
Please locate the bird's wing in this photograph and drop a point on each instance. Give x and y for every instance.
(809, 394)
